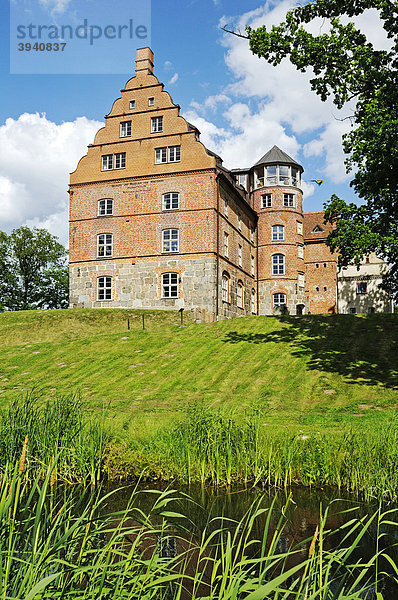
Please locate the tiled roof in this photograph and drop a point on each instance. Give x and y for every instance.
(313, 220)
(276, 155)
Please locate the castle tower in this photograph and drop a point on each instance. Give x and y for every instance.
(275, 182)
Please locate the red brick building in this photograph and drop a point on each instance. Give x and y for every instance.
(156, 221)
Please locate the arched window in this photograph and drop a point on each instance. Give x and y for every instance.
(104, 245)
(279, 299)
(253, 302)
(278, 233)
(278, 264)
(104, 288)
(240, 295)
(170, 239)
(225, 287)
(105, 207)
(170, 285)
(171, 201)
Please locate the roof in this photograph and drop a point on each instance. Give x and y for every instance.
(315, 220)
(276, 155)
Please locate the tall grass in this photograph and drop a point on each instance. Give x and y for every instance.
(60, 427)
(57, 544)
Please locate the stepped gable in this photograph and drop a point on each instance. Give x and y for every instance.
(314, 227)
(277, 156)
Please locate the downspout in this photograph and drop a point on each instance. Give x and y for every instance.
(256, 238)
(217, 245)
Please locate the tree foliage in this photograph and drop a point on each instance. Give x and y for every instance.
(33, 270)
(349, 69)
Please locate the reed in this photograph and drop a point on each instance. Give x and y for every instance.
(68, 545)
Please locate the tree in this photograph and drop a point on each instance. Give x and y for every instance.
(33, 270)
(348, 68)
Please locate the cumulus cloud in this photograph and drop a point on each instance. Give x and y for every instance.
(36, 156)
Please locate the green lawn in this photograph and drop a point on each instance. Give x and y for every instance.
(303, 373)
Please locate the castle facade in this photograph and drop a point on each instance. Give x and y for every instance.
(157, 222)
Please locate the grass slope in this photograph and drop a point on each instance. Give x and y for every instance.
(303, 373)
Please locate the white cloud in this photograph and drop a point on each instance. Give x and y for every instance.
(55, 7)
(174, 79)
(167, 65)
(36, 156)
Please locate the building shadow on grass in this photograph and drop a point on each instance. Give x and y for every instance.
(364, 349)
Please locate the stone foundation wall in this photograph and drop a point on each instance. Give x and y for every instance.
(139, 285)
(295, 296)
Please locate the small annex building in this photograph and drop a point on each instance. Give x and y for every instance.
(157, 221)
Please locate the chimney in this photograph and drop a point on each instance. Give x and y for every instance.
(144, 62)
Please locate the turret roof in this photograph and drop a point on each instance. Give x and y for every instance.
(277, 156)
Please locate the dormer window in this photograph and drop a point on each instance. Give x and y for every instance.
(317, 229)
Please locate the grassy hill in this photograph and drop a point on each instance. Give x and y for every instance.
(302, 373)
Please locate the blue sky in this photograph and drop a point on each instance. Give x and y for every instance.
(241, 105)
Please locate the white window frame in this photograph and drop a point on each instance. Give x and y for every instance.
(226, 207)
(253, 302)
(240, 295)
(132, 104)
(278, 265)
(278, 299)
(104, 288)
(266, 200)
(104, 245)
(174, 153)
(278, 233)
(151, 101)
(300, 251)
(160, 154)
(226, 244)
(299, 228)
(169, 284)
(242, 180)
(225, 287)
(125, 129)
(107, 162)
(359, 285)
(105, 207)
(252, 235)
(157, 124)
(171, 201)
(252, 265)
(301, 280)
(239, 255)
(170, 241)
(239, 222)
(120, 160)
(288, 200)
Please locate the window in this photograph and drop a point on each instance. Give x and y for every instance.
(104, 244)
(239, 222)
(156, 124)
(107, 162)
(324, 265)
(266, 201)
(367, 259)
(226, 244)
(278, 264)
(160, 155)
(299, 228)
(253, 302)
(278, 232)
(174, 153)
(288, 200)
(170, 285)
(120, 160)
(317, 265)
(242, 180)
(324, 288)
(353, 310)
(125, 129)
(225, 287)
(317, 229)
(239, 295)
(171, 201)
(317, 288)
(170, 240)
(239, 255)
(295, 176)
(104, 288)
(226, 207)
(300, 251)
(284, 176)
(252, 235)
(279, 299)
(371, 310)
(132, 104)
(271, 175)
(252, 265)
(105, 207)
(361, 287)
(301, 280)
(151, 101)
